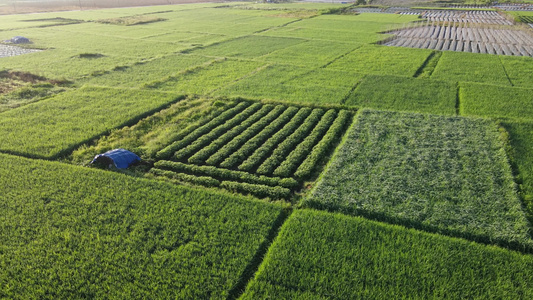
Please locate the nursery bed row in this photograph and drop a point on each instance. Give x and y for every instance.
(286, 142)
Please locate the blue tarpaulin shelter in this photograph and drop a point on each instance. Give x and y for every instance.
(121, 158)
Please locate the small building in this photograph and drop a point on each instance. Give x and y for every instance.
(120, 158)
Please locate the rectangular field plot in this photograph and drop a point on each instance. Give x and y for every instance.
(518, 70)
(254, 148)
(310, 53)
(363, 28)
(70, 233)
(207, 78)
(521, 138)
(404, 93)
(140, 74)
(52, 127)
(372, 59)
(454, 66)
(295, 84)
(495, 101)
(319, 255)
(247, 47)
(445, 174)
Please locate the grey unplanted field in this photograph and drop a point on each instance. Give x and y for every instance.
(9, 50)
(458, 37)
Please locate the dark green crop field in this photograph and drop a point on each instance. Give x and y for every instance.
(447, 173)
(286, 153)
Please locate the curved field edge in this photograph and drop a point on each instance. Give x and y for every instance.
(443, 174)
(321, 255)
(73, 232)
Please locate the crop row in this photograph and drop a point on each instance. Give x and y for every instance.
(251, 145)
(293, 160)
(285, 147)
(250, 132)
(198, 132)
(256, 189)
(256, 150)
(262, 152)
(219, 130)
(320, 150)
(225, 174)
(203, 154)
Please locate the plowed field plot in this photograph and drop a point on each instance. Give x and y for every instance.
(474, 16)
(450, 37)
(445, 174)
(254, 148)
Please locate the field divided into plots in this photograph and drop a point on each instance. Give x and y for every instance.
(226, 99)
(261, 149)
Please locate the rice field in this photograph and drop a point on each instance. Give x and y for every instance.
(286, 152)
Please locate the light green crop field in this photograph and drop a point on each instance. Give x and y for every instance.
(496, 101)
(460, 66)
(243, 114)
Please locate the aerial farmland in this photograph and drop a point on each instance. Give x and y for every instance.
(284, 151)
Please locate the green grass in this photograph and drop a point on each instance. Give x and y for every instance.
(71, 232)
(405, 94)
(444, 174)
(52, 127)
(495, 101)
(462, 66)
(319, 255)
(375, 59)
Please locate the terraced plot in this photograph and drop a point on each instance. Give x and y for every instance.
(445, 174)
(261, 149)
(452, 37)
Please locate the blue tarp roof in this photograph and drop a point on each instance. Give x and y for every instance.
(122, 158)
